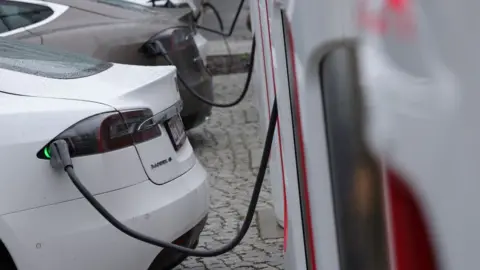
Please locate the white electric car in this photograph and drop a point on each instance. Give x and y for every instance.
(150, 180)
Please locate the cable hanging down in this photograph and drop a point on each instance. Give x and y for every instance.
(212, 103)
(232, 27)
(208, 5)
(156, 48)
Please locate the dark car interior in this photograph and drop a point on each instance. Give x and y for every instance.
(18, 14)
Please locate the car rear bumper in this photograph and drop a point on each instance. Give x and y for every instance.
(72, 235)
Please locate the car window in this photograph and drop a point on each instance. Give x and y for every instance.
(14, 15)
(47, 62)
(3, 27)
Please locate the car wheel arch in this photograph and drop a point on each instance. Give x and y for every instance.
(6, 259)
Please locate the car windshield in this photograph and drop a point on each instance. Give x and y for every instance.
(46, 62)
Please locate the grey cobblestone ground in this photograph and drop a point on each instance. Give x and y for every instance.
(223, 145)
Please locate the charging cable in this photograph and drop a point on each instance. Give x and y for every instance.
(209, 5)
(157, 48)
(164, 54)
(60, 159)
(216, 13)
(232, 27)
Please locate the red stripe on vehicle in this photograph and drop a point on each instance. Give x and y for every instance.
(413, 249)
(303, 166)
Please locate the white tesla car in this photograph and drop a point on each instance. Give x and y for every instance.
(149, 180)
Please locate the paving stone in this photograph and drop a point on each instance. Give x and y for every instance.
(225, 145)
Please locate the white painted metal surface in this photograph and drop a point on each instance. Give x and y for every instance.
(421, 96)
(270, 79)
(266, 87)
(425, 88)
(327, 22)
(312, 27)
(44, 221)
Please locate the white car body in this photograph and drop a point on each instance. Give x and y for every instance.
(45, 223)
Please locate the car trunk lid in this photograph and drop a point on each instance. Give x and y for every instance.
(123, 87)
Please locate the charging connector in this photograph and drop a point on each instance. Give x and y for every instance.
(60, 155)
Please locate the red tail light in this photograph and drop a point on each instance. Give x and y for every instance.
(411, 243)
(106, 132)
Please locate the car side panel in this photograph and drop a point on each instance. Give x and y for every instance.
(31, 39)
(118, 43)
(23, 36)
(73, 18)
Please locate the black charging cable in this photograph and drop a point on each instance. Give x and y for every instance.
(216, 13)
(156, 48)
(60, 159)
(224, 35)
(232, 27)
(208, 5)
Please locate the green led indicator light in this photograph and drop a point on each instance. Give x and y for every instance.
(46, 152)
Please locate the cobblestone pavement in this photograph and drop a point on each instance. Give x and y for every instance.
(223, 145)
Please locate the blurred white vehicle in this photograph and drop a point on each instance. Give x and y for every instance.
(378, 148)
